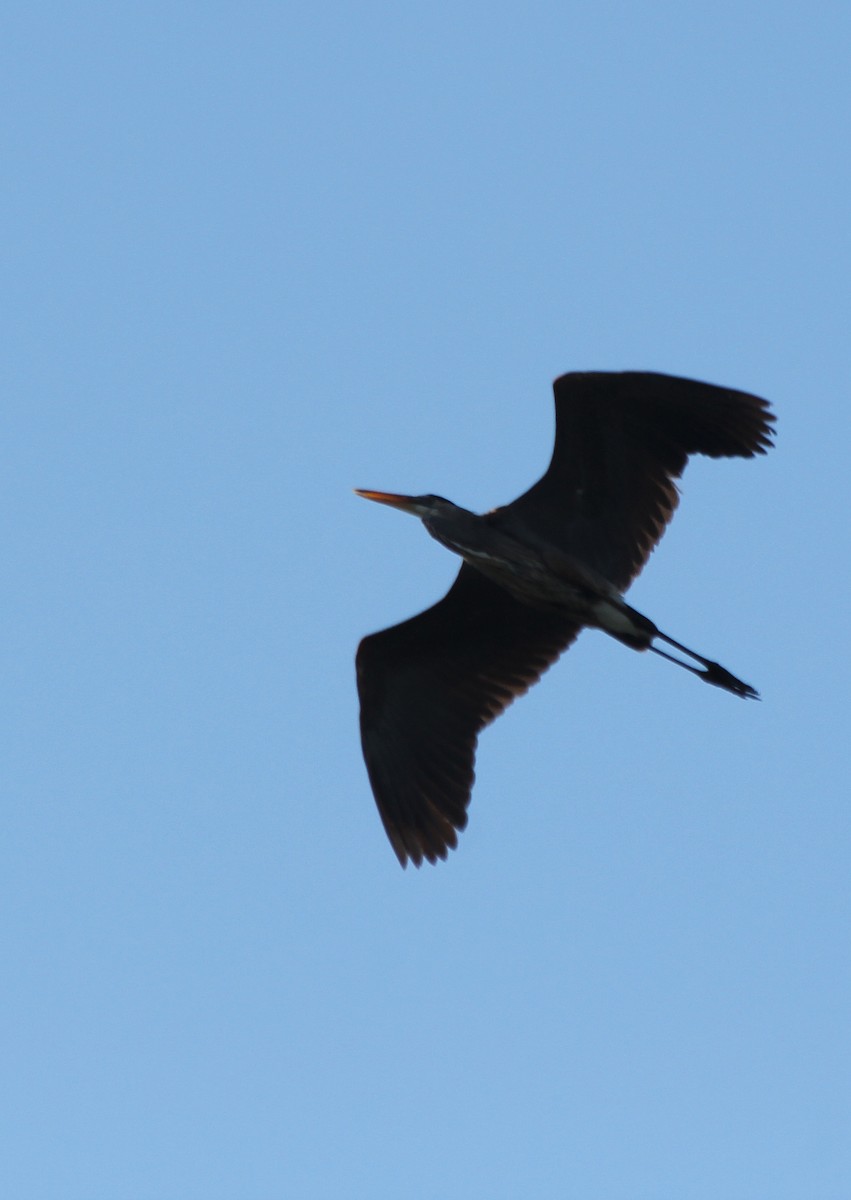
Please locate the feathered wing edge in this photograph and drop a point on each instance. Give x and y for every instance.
(428, 687)
(622, 440)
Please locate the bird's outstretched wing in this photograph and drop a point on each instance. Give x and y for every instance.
(428, 687)
(621, 442)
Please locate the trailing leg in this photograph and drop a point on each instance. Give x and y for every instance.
(712, 672)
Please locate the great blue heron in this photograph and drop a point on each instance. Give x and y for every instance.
(535, 572)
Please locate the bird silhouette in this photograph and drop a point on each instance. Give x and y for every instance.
(534, 573)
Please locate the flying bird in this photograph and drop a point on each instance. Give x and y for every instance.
(534, 573)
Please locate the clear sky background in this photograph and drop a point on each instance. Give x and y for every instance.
(256, 255)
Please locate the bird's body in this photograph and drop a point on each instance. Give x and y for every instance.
(534, 573)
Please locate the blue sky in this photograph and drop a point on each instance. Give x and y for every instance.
(257, 255)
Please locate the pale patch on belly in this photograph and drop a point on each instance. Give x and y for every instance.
(614, 620)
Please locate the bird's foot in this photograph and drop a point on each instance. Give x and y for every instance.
(719, 676)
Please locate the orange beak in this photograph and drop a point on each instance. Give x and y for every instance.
(406, 503)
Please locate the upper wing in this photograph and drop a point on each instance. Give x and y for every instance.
(621, 441)
(428, 686)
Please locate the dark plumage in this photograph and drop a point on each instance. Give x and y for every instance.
(535, 572)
